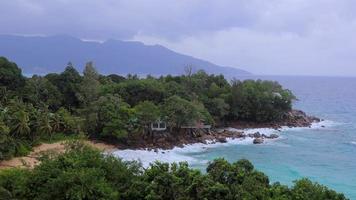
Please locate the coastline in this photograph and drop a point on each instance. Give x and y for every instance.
(184, 153)
(232, 130)
(235, 133)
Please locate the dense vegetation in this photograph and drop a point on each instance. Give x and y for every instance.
(118, 107)
(84, 173)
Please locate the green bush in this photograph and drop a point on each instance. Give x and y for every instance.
(260, 101)
(84, 173)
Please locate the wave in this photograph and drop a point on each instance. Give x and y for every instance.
(179, 154)
(149, 156)
(268, 131)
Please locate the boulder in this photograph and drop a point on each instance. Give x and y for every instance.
(273, 136)
(258, 141)
(161, 140)
(221, 140)
(257, 135)
(239, 134)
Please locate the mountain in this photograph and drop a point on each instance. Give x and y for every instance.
(40, 55)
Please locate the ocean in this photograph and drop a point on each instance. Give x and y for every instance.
(325, 153)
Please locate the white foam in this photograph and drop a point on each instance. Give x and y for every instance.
(182, 154)
(146, 157)
(177, 154)
(316, 125)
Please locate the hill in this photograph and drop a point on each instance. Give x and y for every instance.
(40, 55)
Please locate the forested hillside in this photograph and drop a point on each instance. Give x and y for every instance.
(117, 108)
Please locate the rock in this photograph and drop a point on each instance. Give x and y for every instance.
(161, 140)
(221, 140)
(257, 135)
(258, 141)
(239, 134)
(273, 136)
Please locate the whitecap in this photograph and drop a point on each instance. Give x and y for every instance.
(176, 154)
(149, 156)
(184, 154)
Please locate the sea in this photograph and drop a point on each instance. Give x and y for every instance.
(325, 152)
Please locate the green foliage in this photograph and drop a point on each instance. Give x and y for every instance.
(180, 112)
(116, 107)
(88, 94)
(13, 184)
(84, 173)
(307, 190)
(147, 112)
(39, 91)
(260, 101)
(7, 144)
(134, 91)
(116, 118)
(68, 83)
(10, 75)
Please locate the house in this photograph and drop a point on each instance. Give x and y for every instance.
(158, 125)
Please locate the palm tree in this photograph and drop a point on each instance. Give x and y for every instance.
(44, 125)
(56, 122)
(21, 124)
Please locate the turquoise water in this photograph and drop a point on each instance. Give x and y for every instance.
(326, 155)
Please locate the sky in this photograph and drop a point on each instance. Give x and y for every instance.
(268, 37)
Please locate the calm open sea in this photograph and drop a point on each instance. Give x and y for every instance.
(326, 155)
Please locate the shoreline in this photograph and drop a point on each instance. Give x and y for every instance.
(182, 153)
(237, 132)
(232, 130)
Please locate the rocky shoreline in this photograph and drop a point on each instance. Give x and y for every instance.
(179, 138)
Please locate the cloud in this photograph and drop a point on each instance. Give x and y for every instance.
(314, 37)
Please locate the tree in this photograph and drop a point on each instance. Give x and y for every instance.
(45, 124)
(68, 83)
(260, 101)
(7, 147)
(10, 75)
(21, 124)
(116, 78)
(84, 173)
(66, 122)
(39, 91)
(89, 87)
(115, 117)
(88, 93)
(181, 112)
(147, 112)
(134, 91)
(305, 189)
(218, 108)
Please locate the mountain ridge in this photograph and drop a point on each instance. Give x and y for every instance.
(45, 54)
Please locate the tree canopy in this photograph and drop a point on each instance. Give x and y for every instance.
(114, 106)
(84, 173)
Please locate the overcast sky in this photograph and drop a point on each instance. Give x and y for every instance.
(295, 37)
